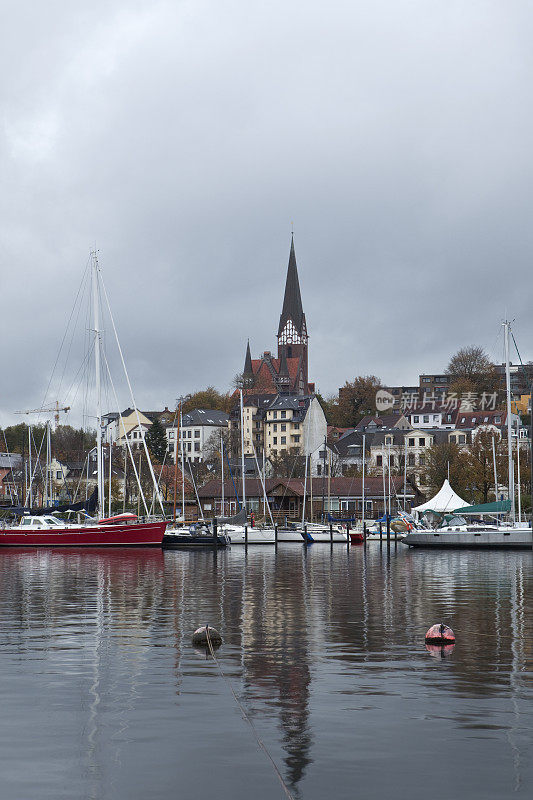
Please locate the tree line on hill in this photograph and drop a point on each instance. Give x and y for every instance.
(470, 370)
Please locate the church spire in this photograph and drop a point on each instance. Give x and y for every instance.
(292, 302)
(248, 373)
(292, 331)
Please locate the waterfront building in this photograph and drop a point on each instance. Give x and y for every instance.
(199, 433)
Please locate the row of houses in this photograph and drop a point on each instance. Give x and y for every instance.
(401, 439)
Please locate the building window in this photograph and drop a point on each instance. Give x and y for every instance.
(426, 417)
(197, 447)
(283, 427)
(411, 460)
(196, 434)
(275, 440)
(275, 414)
(189, 434)
(275, 426)
(319, 469)
(452, 439)
(379, 461)
(283, 440)
(283, 414)
(296, 426)
(171, 434)
(388, 440)
(422, 461)
(188, 447)
(422, 442)
(411, 442)
(462, 439)
(58, 475)
(416, 420)
(296, 438)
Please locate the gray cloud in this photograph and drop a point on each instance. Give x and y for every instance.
(184, 137)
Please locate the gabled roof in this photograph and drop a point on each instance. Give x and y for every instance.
(471, 419)
(292, 300)
(205, 416)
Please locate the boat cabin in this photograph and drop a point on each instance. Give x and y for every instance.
(40, 522)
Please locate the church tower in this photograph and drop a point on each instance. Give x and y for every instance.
(292, 330)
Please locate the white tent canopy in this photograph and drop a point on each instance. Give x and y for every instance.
(445, 501)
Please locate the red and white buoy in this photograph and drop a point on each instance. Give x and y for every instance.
(440, 634)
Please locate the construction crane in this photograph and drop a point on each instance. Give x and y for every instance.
(55, 409)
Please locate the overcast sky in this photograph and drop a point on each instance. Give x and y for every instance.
(184, 138)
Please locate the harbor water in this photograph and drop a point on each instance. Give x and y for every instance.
(104, 697)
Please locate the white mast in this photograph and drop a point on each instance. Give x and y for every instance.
(363, 481)
(182, 467)
(305, 492)
(510, 470)
(495, 472)
(242, 454)
(48, 482)
(222, 514)
(388, 470)
(404, 471)
(110, 474)
(99, 466)
(30, 474)
(518, 476)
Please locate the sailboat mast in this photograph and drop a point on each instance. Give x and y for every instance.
(510, 463)
(305, 492)
(222, 498)
(182, 466)
(99, 465)
(363, 482)
(495, 471)
(242, 454)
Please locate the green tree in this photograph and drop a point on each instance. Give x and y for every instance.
(471, 370)
(156, 441)
(443, 457)
(357, 399)
(480, 463)
(208, 398)
(287, 464)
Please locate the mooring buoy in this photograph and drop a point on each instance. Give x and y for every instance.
(200, 636)
(440, 634)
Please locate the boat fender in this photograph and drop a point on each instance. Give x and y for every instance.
(440, 634)
(200, 636)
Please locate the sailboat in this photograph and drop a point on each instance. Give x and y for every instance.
(124, 530)
(458, 532)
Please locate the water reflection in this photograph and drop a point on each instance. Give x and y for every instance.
(324, 647)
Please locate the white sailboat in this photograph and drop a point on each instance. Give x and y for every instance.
(459, 533)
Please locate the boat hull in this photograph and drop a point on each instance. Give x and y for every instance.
(514, 539)
(145, 534)
(180, 540)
